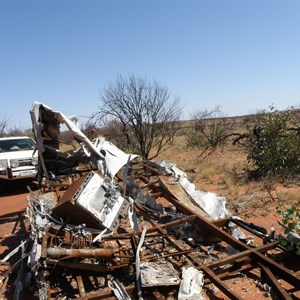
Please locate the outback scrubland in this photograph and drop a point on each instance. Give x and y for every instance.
(227, 170)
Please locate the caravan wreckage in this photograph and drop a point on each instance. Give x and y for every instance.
(106, 225)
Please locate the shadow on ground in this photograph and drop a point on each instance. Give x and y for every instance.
(11, 188)
(13, 231)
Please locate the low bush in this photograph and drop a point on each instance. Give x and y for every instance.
(273, 143)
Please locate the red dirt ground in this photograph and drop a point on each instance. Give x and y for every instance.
(13, 226)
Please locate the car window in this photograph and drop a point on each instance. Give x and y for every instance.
(16, 145)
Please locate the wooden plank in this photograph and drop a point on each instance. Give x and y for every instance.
(177, 191)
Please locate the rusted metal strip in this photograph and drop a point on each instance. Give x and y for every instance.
(275, 267)
(44, 244)
(223, 273)
(48, 285)
(149, 184)
(188, 219)
(80, 285)
(3, 287)
(154, 170)
(209, 226)
(208, 272)
(232, 258)
(272, 280)
(78, 266)
(219, 283)
(106, 294)
(155, 195)
(87, 253)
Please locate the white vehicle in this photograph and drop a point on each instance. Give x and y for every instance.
(18, 158)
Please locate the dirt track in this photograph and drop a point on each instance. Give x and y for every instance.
(12, 211)
(13, 201)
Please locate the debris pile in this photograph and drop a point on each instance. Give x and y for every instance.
(106, 225)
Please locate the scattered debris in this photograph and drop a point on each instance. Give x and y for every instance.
(158, 274)
(105, 224)
(191, 284)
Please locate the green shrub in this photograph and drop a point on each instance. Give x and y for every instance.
(273, 143)
(195, 139)
(291, 219)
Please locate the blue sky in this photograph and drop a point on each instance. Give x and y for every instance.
(241, 55)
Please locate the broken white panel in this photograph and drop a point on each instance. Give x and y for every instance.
(114, 158)
(158, 274)
(191, 284)
(71, 126)
(212, 204)
(94, 199)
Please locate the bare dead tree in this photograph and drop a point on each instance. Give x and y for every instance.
(4, 122)
(149, 119)
(210, 130)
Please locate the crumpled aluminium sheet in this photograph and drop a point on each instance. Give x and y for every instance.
(115, 158)
(191, 284)
(109, 158)
(214, 205)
